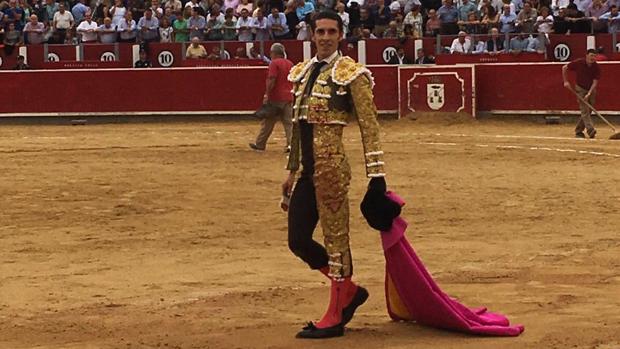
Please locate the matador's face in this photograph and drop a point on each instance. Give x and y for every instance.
(326, 37)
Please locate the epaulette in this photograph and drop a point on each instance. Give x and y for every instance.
(346, 70)
(299, 70)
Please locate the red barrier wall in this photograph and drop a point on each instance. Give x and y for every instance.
(200, 90)
(536, 87)
(501, 87)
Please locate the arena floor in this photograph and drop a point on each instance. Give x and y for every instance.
(170, 236)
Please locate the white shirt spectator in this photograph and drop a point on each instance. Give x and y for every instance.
(244, 34)
(415, 21)
(165, 34)
(545, 25)
(63, 20)
(122, 29)
(302, 31)
(220, 17)
(345, 21)
(582, 5)
(459, 47)
(34, 32)
(107, 35)
(260, 28)
(88, 31)
(119, 14)
(556, 5)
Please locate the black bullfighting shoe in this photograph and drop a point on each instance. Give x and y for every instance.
(361, 295)
(313, 332)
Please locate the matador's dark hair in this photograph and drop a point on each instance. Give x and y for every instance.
(326, 14)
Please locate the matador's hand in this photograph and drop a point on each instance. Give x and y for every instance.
(377, 208)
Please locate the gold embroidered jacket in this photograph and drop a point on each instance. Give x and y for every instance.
(343, 90)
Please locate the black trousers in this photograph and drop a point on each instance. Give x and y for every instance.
(303, 217)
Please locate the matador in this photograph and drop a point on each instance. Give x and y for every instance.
(329, 91)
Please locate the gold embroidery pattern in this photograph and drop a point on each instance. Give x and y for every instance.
(332, 175)
(369, 126)
(298, 71)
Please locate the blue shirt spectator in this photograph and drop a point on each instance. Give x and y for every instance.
(507, 21)
(148, 26)
(465, 9)
(448, 13)
(276, 22)
(613, 19)
(79, 10)
(196, 25)
(303, 8)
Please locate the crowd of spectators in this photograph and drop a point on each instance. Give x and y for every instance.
(108, 21)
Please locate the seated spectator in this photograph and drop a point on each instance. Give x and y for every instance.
(392, 31)
(245, 4)
(216, 54)
(366, 21)
(367, 34)
(79, 11)
(489, 19)
(21, 63)
(303, 8)
(382, 17)
(63, 23)
(526, 18)
(213, 28)
(544, 22)
(395, 9)
(577, 22)
(127, 29)
(593, 12)
(256, 54)
(507, 20)
(117, 12)
(423, 58)
(165, 31)
(34, 30)
(148, 27)
(230, 4)
(196, 24)
(518, 43)
(276, 24)
(107, 32)
(195, 50)
(291, 17)
(356, 35)
(12, 39)
(612, 18)
(240, 53)
(180, 32)
(87, 30)
(259, 25)
(174, 6)
(399, 57)
(466, 8)
(143, 62)
(158, 12)
(303, 31)
(495, 44)
(461, 45)
(340, 8)
(479, 48)
(448, 15)
(472, 25)
(229, 28)
(414, 18)
(433, 24)
(244, 26)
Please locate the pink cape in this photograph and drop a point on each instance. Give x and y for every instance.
(411, 293)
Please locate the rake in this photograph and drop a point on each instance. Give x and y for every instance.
(615, 135)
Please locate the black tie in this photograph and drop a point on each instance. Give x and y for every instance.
(316, 70)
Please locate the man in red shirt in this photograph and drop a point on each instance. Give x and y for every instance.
(277, 94)
(588, 74)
